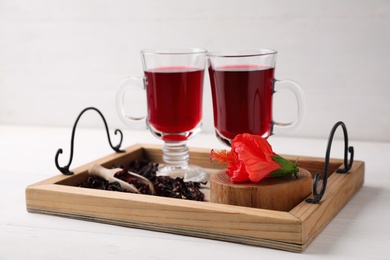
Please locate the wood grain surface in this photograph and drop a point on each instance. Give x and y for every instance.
(270, 193)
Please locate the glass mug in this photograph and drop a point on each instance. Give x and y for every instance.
(242, 86)
(173, 80)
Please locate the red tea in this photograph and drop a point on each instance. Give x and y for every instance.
(174, 96)
(242, 99)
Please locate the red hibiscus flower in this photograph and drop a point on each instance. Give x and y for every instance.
(251, 159)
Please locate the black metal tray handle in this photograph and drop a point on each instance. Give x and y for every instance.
(317, 196)
(65, 169)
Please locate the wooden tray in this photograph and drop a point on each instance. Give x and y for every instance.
(291, 231)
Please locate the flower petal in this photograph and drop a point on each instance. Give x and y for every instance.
(256, 154)
(238, 173)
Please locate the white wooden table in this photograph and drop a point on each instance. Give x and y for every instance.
(360, 231)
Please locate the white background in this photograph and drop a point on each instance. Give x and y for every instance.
(59, 56)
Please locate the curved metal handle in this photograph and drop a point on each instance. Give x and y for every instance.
(317, 196)
(65, 169)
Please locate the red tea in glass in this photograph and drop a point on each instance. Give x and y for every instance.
(242, 86)
(174, 96)
(242, 99)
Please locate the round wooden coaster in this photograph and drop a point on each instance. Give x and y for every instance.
(271, 193)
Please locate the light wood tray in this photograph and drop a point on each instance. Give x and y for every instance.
(291, 231)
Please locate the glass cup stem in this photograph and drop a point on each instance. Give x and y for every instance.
(176, 153)
(175, 157)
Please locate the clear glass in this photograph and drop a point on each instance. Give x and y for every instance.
(173, 80)
(242, 86)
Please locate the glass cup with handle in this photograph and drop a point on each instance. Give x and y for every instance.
(242, 86)
(173, 80)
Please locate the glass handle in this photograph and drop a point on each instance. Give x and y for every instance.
(126, 86)
(290, 127)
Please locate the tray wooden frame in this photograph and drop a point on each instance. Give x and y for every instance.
(290, 231)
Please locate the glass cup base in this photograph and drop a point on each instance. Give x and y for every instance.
(187, 172)
(228, 141)
(222, 139)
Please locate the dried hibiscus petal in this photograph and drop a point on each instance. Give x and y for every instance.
(164, 186)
